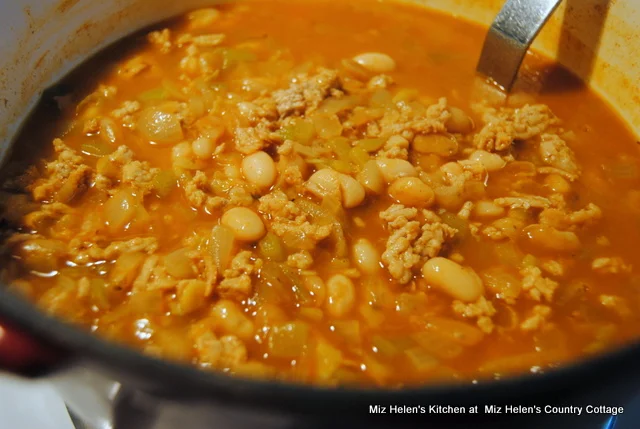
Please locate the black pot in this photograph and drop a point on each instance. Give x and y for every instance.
(152, 386)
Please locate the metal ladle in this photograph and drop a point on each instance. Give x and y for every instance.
(510, 35)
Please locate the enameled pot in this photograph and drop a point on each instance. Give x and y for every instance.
(41, 40)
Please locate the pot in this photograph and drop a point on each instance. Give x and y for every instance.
(44, 39)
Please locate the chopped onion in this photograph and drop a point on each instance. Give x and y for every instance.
(221, 246)
(121, 209)
(179, 265)
(288, 340)
(160, 126)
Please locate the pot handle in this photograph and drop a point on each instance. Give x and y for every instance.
(22, 354)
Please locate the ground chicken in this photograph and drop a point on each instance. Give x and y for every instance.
(110, 168)
(139, 244)
(153, 275)
(266, 106)
(236, 283)
(127, 108)
(202, 261)
(552, 170)
(239, 195)
(83, 251)
(457, 174)
(395, 147)
(191, 295)
(291, 166)
(473, 169)
(532, 120)
(306, 93)
(252, 139)
(292, 175)
(162, 39)
(553, 267)
(106, 91)
(613, 265)
(537, 286)
(224, 353)
(234, 352)
(494, 136)
(381, 81)
(555, 152)
(616, 304)
(255, 112)
(504, 126)
(208, 348)
(415, 236)
(286, 148)
(91, 126)
(406, 120)
(563, 220)
(482, 309)
(300, 260)
(139, 176)
(589, 214)
(494, 233)
(198, 191)
(191, 63)
(537, 319)
(287, 220)
(465, 211)
(133, 67)
(65, 177)
(523, 202)
(47, 213)
(208, 40)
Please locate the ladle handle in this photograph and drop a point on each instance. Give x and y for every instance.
(510, 35)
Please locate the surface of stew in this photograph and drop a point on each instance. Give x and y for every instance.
(321, 192)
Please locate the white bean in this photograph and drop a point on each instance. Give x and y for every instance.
(550, 239)
(453, 279)
(508, 226)
(452, 170)
(376, 62)
(203, 147)
(557, 183)
(366, 256)
(411, 191)
(371, 178)
(245, 224)
(181, 151)
(392, 168)
(342, 295)
(438, 144)
(486, 209)
(459, 122)
(316, 286)
(490, 161)
(259, 169)
(325, 182)
(352, 191)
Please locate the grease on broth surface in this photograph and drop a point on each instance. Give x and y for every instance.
(314, 191)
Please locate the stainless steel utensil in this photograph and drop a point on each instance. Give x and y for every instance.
(509, 37)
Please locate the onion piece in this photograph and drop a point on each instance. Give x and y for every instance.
(160, 126)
